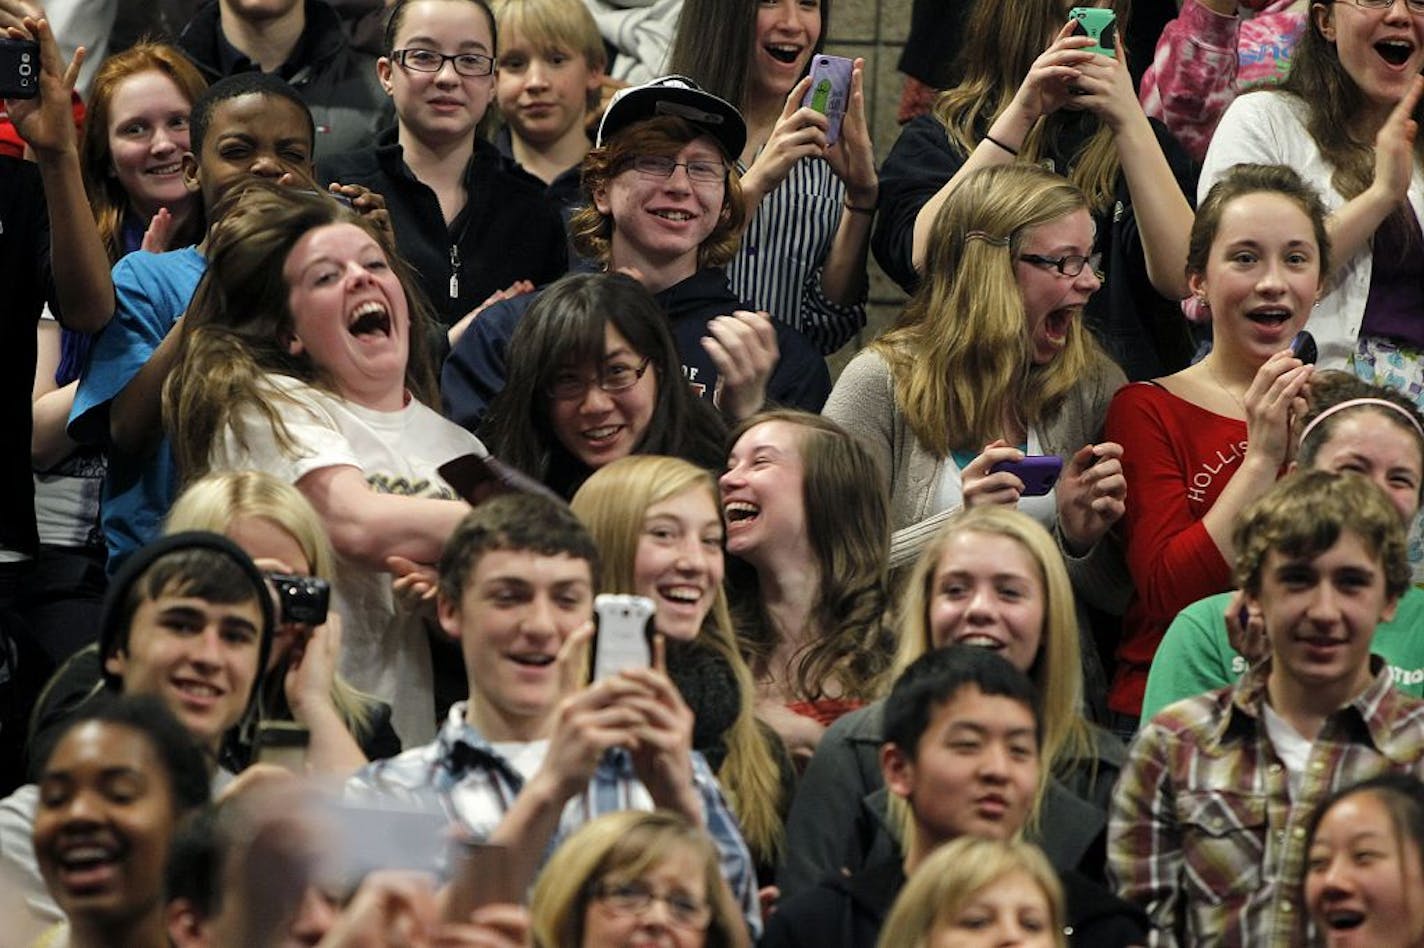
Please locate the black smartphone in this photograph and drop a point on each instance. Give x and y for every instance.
(1303, 347)
(19, 69)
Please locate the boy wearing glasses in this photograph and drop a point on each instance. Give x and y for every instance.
(472, 224)
(664, 203)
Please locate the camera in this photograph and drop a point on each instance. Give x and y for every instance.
(301, 599)
(19, 69)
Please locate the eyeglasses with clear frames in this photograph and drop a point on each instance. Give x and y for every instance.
(636, 898)
(701, 170)
(618, 377)
(1071, 264)
(1415, 6)
(469, 65)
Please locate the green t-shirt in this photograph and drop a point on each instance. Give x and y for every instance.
(1195, 656)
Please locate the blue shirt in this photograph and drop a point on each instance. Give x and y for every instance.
(462, 774)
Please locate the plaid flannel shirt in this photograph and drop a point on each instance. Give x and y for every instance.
(1203, 832)
(463, 775)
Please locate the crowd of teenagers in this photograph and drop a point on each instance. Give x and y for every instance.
(435, 522)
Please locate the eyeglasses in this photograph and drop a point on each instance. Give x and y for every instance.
(1415, 6)
(470, 65)
(699, 169)
(617, 377)
(636, 898)
(1072, 264)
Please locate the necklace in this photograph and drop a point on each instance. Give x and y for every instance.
(1222, 385)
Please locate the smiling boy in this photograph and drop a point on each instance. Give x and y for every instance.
(533, 754)
(1207, 829)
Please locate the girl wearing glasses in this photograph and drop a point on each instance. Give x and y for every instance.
(594, 378)
(1031, 91)
(1209, 440)
(990, 362)
(1343, 120)
(470, 223)
(633, 878)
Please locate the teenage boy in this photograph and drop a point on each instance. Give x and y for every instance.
(551, 62)
(648, 215)
(533, 754)
(303, 43)
(188, 619)
(252, 125)
(963, 736)
(1208, 822)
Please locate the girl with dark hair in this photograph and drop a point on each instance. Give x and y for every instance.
(814, 623)
(1344, 120)
(810, 203)
(596, 378)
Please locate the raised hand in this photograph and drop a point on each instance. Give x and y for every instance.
(46, 122)
(1091, 494)
(743, 348)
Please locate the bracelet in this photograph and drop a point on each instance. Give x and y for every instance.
(860, 210)
(994, 141)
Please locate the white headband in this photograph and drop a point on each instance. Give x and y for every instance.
(1355, 402)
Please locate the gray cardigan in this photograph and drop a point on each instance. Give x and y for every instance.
(863, 402)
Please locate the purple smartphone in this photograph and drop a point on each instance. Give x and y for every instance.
(1039, 472)
(830, 91)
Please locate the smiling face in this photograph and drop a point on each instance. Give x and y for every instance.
(543, 91)
(1262, 275)
(438, 107)
(1381, 50)
(148, 134)
(1321, 613)
(763, 491)
(516, 610)
(599, 427)
(786, 34)
(349, 314)
(103, 822)
(663, 221)
(1010, 912)
(679, 561)
(680, 877)
(974, 772)
(987, 591)
(199, 657)
(251, 136)
(1051, 300)
(1367, 441)
(1363, 882)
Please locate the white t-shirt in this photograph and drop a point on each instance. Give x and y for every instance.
(1292, 748)
(385, 651)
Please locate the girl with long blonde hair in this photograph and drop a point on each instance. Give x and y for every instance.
(657, 522)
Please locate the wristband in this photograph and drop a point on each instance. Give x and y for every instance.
(860, 210)
(994, 141)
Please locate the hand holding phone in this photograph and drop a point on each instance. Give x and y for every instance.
(19, 68)
(1303, 347)
(830, 91)
(623, 639)
(1099, 24)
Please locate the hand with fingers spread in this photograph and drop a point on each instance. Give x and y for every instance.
(799, 132)
(852, 157)
(981, 486)
(743, 348)
(46, 122)
(1091, 495)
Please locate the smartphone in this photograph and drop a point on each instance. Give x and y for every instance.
(624, 635)
(477, 479)
(830, 91)
(19, 69)
(1098, 23)
(1303, 347)
(283, 743)
(481, 878)
(1039, 472)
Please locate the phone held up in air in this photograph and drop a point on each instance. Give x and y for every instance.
(624, 635)
(1099, 24)
(19, 69)
(1039, 472)
(830, 91)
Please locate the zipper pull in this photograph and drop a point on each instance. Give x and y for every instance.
(454, 271)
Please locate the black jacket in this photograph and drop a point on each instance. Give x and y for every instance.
(336, 82)
(476, 369)
(1143, 332)
(507, 230)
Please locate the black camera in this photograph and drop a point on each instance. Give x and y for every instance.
(19, 69)
(301, 599)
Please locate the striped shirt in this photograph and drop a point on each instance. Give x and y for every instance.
(462, 775)
(778, 265)
(1203, 832)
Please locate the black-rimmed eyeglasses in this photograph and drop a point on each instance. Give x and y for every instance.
(617, 377)
(470, 65)
(1070, 265)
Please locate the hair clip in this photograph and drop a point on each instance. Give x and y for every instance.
(987, 238)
